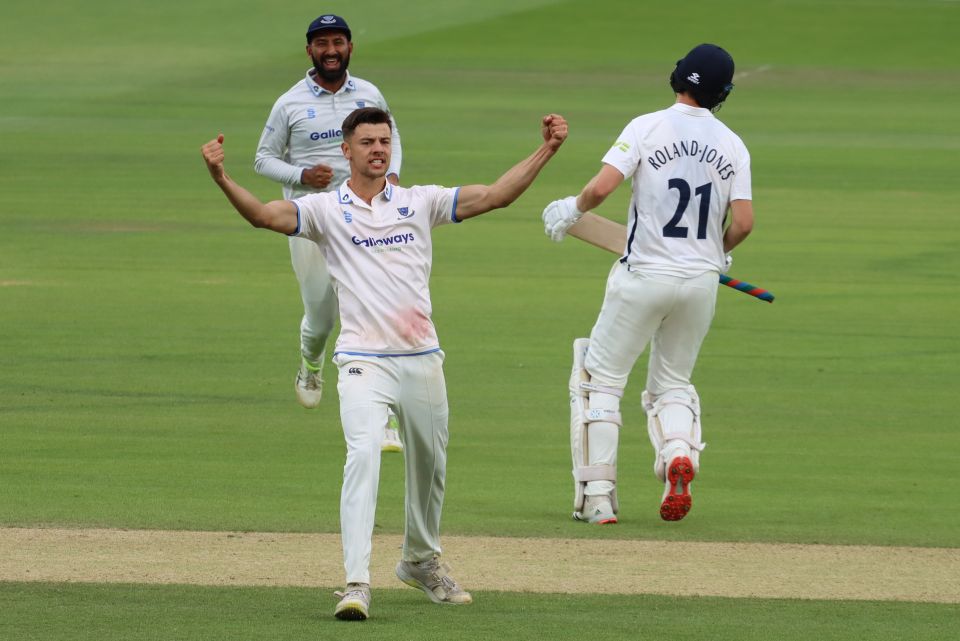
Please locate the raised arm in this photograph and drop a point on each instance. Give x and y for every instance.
(278, 215)
(474, 200)
(396, 151)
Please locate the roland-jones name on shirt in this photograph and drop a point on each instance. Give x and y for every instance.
(692, 149)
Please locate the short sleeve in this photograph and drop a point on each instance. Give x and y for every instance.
(310, 216)
(624, 155)
(740, 189)
(443, 204)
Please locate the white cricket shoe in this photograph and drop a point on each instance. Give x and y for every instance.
(309, 383)
(354, 602)
(434, 579)
(596, 509)
(391, 435)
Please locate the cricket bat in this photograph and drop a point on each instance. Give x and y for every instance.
(606, 234)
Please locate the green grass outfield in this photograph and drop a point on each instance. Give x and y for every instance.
(148, 337)
(137, 612)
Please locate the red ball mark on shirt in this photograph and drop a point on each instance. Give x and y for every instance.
(412, 324)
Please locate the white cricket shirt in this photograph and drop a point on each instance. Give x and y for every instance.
(305, 128)
(379, 257)
(686, 167)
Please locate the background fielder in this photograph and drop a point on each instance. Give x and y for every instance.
(377, 241)
(300, 148)
(687, 169)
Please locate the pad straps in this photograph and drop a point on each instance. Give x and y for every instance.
(589, 473)
(592, 387)
(599, 415)
(591, 415)
(679, 436)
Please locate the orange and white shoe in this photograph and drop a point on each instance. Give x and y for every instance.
(676, 499)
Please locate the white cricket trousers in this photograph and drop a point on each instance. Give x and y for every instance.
(669, 313)
(414, 388)
(319, 300)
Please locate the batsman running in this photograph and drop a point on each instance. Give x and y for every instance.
(376, 239)
(690, 175)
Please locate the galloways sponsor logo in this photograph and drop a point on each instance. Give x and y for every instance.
(397, 239)
(326, 135)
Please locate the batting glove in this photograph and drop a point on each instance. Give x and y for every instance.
(727, 262)
(559, 216)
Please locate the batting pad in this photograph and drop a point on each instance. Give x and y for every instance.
(581, 416)
(664, 426)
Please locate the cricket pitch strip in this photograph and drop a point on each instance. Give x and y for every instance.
(744, 570)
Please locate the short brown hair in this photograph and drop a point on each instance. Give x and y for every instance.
(365, 116)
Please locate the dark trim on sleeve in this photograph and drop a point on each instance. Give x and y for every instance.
(633, 232)
(297, 232)
(453, 212)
